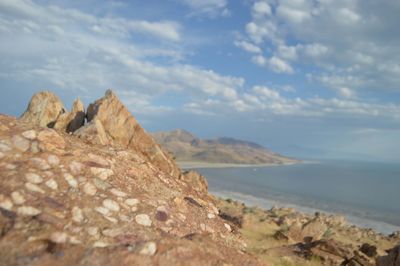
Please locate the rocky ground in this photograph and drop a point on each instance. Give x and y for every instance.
(102, 193)
(286, 237)
(91, 187)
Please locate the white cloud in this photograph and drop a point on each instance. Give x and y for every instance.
(280, 66)
(210, 8)
(261, 8)
(247, 46)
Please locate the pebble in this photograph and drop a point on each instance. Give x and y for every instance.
(33, 187)
(149, 249)
(102, 210)
(131, 202)
(134, 209)
(210, 215)
(10, 166)
(75, 167)
(125, 218)
(59, 237)
(29, 134)
(77, 215)
(89, 189)
(4, 147)
(20, 143)
(111, 219)
(17, 198)
(40, 163)
(100, 244)
(71, 180)
(100, 184)
(118, 193)
(98, 160)
(111, 205)
(143, 219)
(6, 203)
(34, 178)
(92, 230)
(35, 147)
(101, 173)
(28, 211)
(112, 232)
(51, 183)
(53, 160)
(228, 227)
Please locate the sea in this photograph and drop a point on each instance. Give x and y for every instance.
(366, 193)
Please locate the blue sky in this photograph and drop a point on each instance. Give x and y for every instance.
(307, 78)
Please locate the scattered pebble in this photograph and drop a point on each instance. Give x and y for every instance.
(40, 163)
(5, 203)
(53, 160)
(75, 167)
(149, 249)
(28, 211)
(134, 208)
(125, 218)
(111, 205)
(111, 219)
(92, 230)
(4, 147)
(143, 219)
(20, 143)
(131, 202)
(1, 155)
(228, 227)
(33, 187)
(100, 244)
(77, 215)
(101, 173)
(51, 183)
(89, 189)
(29, 134)
(35, 147)
(102, 210)
(59, 237)
(118, 193)
(17, 198)
(34, 178)
(10, 166)
(210, 215)
(70, 180)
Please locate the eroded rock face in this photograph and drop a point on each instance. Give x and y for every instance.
(70, 122)
(43, 110)
(69, 202)
(196, 180)
(93, 132)
(391, 259)
(120, 126)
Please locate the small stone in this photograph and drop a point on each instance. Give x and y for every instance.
(125, 218)
(34, 178)
(228, 227)
(70, 180)
(143, 219)
(134, 208)
(74, 240)
(29, 134)
(33, 187)
(28, 211)
(100, 184)
(111, 219)
(89, 189)
(117, 192)
(131, 202)
(100, 244)
(75, 167)
(203, 227)
(210, 215)
(1, 155)
(77, 215)
(17, 198)
(40, 163)
(102, 210)
(112, 232)
(5, 203)
(35, 147)
(149, 249)
(51, 183)
(98, 160)
(101, 173)
(92, 230)
(10, 166)
(53, 160)
(4, 147)
(111, 205)
(20, 143)
(59, 237)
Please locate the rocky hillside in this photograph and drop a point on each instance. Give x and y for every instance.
(185, 147)
(93, 188)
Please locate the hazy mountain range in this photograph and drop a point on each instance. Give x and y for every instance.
(186, 147)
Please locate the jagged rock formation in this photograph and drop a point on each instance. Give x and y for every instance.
(70, 122)
(188, 148)
(67, 201)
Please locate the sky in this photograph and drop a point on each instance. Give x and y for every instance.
(305, 78)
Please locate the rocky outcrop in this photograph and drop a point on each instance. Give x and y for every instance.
(120, 126)
(43, 110)
(93, 132)
(67, 201)
(46, 110)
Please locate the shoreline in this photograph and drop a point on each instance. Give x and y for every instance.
(194, 165)
(266, 204)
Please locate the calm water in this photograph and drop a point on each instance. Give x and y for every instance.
(368, 194)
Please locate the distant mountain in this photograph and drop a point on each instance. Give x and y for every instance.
(186, 147)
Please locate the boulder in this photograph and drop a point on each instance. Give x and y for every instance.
(72, 121)
(391, 259)
(120, 126)
(93, 132)
(369, 250)
(43, 110)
